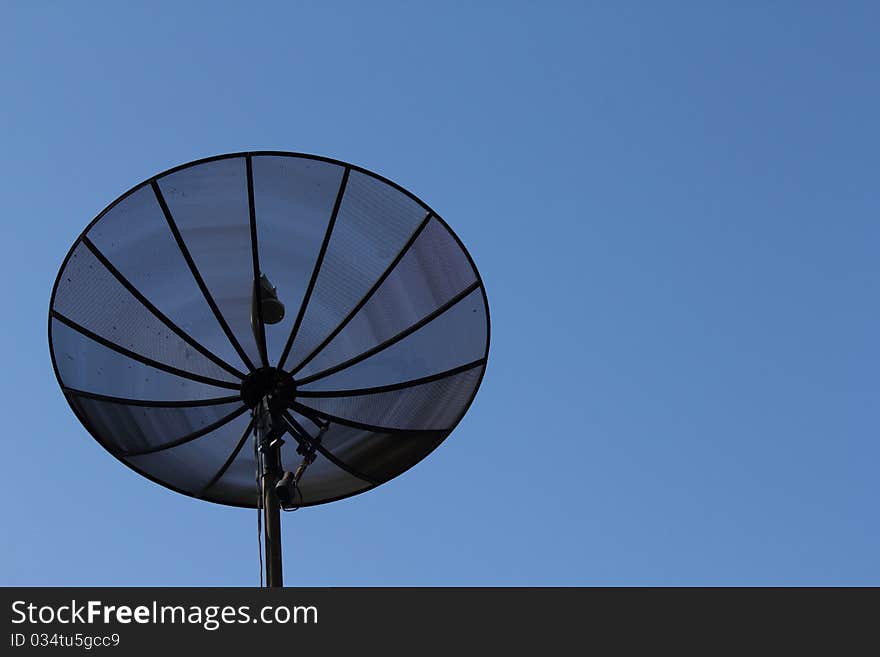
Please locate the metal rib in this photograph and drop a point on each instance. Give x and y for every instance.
(197, 276)
(392, 340)
(360, 304)
(187, 438)
(142, 359)
(356, 392)
(316, 270)
(228, 462)
(255, 255)
(312, 413)
(183, 335)
(189, 403)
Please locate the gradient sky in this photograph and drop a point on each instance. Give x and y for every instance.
(674, 207)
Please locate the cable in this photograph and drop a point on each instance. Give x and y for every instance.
(296, 491)
(307, 448)
(259, 482)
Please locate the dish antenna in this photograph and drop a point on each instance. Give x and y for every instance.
(306, 302)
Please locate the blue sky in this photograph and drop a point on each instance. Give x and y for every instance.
(674, 208)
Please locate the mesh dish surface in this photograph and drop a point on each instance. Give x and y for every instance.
(385, 331)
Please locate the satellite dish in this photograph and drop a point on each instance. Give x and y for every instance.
(269, 329)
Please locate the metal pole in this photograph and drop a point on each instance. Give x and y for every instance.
(272, 524)
(269, 447)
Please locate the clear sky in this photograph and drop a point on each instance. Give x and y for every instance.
(674, 207)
